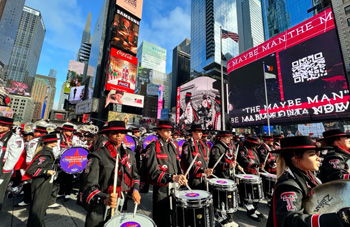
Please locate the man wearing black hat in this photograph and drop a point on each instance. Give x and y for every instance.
(190, 149)
(138, 148)
(277, 141)
(11, 147)
(163, 167)
(249, 160)
(40, 170)
(334, 165)
(97, 189)
(265, 157)
(189, 115)
(216, 114)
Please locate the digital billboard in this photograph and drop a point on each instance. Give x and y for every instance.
(199, 102)
(124, 98)
(76, 71)
(125, 32)
(304, 74)
(132, 6)
(126, 117)
(121, 71)
(17, 88)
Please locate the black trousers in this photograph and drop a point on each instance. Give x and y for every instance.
(66, 183)
(161, 206)
(4, 181)
(41, 192)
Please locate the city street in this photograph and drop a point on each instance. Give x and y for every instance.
(72, 215)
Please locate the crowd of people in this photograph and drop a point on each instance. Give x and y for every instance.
(114, 173)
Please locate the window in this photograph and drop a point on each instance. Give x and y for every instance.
(348, 22)
(347, 10)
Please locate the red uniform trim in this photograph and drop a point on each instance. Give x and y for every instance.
(6, 171)
(346, 176)
(160, 177)
(92, 195)
(315, 220)
(37, 172)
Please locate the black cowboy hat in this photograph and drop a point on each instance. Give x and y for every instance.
(195, 127)
(277, 136)
(115, 126)
(164, 124)
(134, 130)
(225, 133)
(252, 140)
(334, 133)
(6, 120)
(49, 138)
(40, 128)
(67, 127)
(267, 137)
(294, 143)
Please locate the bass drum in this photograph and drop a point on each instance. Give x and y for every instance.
(147, 140)
(329, 197)
(73, 160)
(129, 142)
(127, 219)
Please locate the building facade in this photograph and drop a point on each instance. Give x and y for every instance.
(206, 18)
(39, 94)
(23, 108)
(27, 48)
(50, 94)
(280, 15)
(151, 56)
(181, 68)
(85, 46)
(250, 24)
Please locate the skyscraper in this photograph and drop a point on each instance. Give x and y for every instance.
(10, 17)
(49, 94)
(250, 24)
(27, 49)
(85, 46)
(280, 15)
(206, 18)
(151, 56)
(181, 68)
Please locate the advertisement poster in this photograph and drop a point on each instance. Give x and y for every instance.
(67, 88)
(6, 111)
(76, 71)
(125, 32)
(124, 98)
(76, 94)
(198, 102)
(129, 119)
(133, 6)
(17, 88)
(121, 71)
(305, 77)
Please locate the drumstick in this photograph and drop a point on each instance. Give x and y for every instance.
(188, 170)
(135, 209)
(51, 180)
(214, 176)
(217, 162)
(115, 180)
(188, 187)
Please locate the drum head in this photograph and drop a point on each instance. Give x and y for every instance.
(127, 219)
(221, 182)
(179, 144)
(129, 142)
(248, 177)
(268, 175)
(148, 140)
(73, 160)
(192, 195)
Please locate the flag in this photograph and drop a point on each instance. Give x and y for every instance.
(267, 72)
(232, 35)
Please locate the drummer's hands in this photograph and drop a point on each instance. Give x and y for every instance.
(208, 172)
(233, 164)
(51, 172)
(240, 168)
(181, 179)
(111, 200)
(136, 196)
(262, 166)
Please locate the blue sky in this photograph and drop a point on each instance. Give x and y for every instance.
(164, 23)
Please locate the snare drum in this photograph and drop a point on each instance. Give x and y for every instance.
(149, 139)
(225, 194)
(129, 142)
(194, 208)
(73, 160)
(127, 219)
(250, 188)
(268, 182)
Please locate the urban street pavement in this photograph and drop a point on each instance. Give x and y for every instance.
(72, 215)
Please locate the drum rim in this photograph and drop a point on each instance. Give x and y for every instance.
(194, 202)
(131, 214)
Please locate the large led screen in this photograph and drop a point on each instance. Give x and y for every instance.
(121, 71)
(17, 88)
(133, 6)
(125, 32)
(198, 102)
(304, 74)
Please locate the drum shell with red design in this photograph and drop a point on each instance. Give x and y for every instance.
(129, 142)
(73, 160)
(149, 139)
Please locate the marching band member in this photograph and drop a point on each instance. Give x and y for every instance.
(334, 165)
(163, 167)
(296, 160)
(11, 147)
(189, 116)
(41, 170)
(249, 160)
(138, 146)
(190, 149)
(265, 156)
(97, 188)
(277, 141)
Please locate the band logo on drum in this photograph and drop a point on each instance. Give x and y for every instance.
(192, 194)
(130, 224)
(74, 160)
(289, 197)
(221, 182)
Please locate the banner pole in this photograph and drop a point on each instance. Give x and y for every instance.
(267, 102)
(222, 86)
